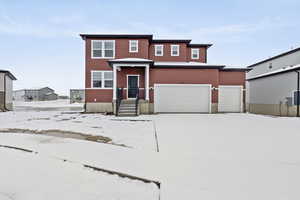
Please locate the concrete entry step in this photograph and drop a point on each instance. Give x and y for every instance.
(128, 101)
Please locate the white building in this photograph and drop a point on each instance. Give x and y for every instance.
(272, 85)
(6, 90)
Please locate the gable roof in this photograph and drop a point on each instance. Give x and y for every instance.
(8, 73)
(276, 72)
(274, 57)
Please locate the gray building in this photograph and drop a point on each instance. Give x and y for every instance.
(35, 94)
(272, 85)
(6, 90)
(77, 96)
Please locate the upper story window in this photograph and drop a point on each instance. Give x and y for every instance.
(103, 48)
(195, 53)
(174, 50)
(102, 79)
(133, 46)
(159, 50)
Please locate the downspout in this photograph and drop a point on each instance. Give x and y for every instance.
(298, 95)
(4, 86)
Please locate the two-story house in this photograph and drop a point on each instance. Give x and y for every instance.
(132, 74)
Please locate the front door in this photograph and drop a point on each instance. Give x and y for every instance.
(133, 85)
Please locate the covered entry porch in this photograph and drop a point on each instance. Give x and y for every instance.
(130, 84)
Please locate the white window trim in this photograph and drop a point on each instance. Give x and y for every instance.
(137, 46)
(162, 49)
(198, 52)
(102, 80)
(103, 50)
(175, 45)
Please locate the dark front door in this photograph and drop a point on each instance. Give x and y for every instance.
(132, 86)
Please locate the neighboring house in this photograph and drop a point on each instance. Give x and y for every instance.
(77, 96)
(35, 94)
(6, 90)
(131, 74)
(272, 85)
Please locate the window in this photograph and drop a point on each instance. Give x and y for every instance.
(174, 50)
(102, 79)
(103, 48)
(159, 50)
(133, 46)
(195, 53)
(97, 79)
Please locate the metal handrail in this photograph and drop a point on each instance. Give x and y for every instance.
(137, 101)
(119, 99)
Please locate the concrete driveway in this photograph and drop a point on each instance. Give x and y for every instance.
(229, 156)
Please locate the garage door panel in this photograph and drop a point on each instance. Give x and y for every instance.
(230, 99)
(182, 98)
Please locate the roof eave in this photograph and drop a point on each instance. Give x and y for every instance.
(189, 66)
(200, 45)
(235, 69)
(84, 36)
(274, 74)
(274, 57)
(8, 73)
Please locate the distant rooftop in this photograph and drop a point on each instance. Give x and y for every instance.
(278, 71)
(8, 73)
(274, 57)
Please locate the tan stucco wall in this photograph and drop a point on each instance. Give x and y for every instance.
(273, 109)
(144, 107)
(214, 108)
(99, 107)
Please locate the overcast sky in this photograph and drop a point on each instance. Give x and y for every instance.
(40, 43)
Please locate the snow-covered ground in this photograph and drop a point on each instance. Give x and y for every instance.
(229, 157)
(28, 176)
(135, 134)
(217, 156)
(60, 104)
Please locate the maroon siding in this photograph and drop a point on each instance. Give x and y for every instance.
(232, 78)
(157, 75)
(185, 76)
(167, 52)
(98, 95)
(122, 79)
(202, 54)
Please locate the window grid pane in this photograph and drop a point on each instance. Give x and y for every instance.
(195, 53)
(159, 50)
(97, 44)
(97, 79)
(108, 75)
(103, 49)
(108, 83)
(108, 45)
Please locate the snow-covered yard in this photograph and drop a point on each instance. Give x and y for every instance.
(60, 104)
(217, 156)
(28, 176)
(134, 134)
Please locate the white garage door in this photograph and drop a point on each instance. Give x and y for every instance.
(182, 98)
(230, 98)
